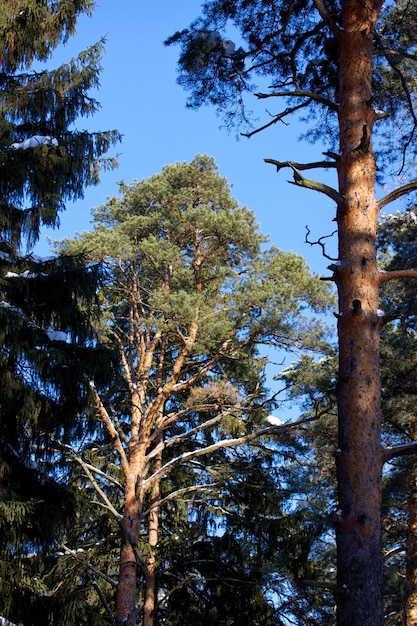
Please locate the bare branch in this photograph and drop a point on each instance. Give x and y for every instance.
(324, 14)
(87, 564)
(320, 243)
(300, 181)
(225, 443)
(396, 275)
(396, 451)
(277, 118)
(397, 193)
(301, 166)
(300, 93)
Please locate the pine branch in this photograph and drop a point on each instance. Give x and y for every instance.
(178, 438)
(90, 471)
(385, 276)
(225, 443)
(110, 428)
(179, 493)
(300, 181)
(325, 15)
(397, 193)
(301, 166)
(300, 93)
(405, 450)
(104, 602)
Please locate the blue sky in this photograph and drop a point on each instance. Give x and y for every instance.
(140, 97)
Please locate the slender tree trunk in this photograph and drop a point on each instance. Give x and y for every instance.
(359, 457)
(411, 556)
(150, 584)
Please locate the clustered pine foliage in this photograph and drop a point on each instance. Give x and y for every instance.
(189, 296)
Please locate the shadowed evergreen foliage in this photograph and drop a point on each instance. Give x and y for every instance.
(45, 304)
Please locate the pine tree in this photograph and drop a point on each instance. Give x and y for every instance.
(348, 65)
(315, 383)
(45, 304)
(189, 295)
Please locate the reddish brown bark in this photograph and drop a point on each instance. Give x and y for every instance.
(126, 596)
(359, 457)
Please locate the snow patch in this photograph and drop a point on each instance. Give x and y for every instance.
(274, 421)
(25, 274)
(33, 142)
(56, 335)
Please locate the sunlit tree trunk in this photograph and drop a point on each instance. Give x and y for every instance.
(126, 596)
(150, 599)
(359, 456)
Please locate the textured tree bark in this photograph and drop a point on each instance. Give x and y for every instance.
(150, 583)
(359, 457)
(411, 555)
(126, 595)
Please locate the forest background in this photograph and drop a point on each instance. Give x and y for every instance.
(138, 143)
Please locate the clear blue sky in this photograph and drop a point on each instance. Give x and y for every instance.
(140, 97)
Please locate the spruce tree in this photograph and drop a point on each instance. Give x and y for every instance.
(45, 304)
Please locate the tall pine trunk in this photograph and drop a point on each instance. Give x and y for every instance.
(126, 596)
(359, 456)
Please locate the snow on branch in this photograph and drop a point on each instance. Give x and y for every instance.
(5, 622)
(34, 142)
(81, 559)
(53, 335)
